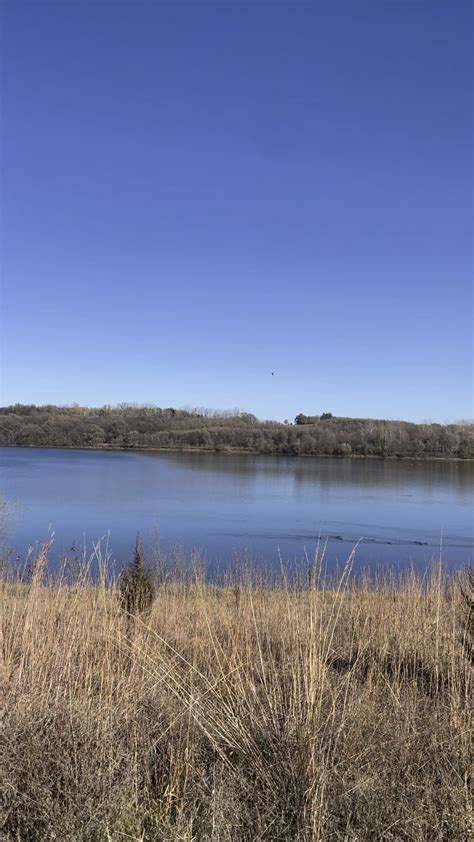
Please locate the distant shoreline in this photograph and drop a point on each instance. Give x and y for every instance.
(153, 429)
(229, 451)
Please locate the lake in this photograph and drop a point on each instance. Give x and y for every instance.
(226, 504)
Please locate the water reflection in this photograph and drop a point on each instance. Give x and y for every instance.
(227, 503)
(327, 471)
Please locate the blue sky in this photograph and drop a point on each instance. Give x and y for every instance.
(198, 194)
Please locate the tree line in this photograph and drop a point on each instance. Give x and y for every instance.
(150, 427)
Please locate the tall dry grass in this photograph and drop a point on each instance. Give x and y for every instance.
(256, 710)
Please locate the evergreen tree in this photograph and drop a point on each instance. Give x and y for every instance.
(137, 588)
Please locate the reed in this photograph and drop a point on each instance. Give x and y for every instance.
(263, 708)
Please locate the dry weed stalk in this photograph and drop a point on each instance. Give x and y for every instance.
(303, 709)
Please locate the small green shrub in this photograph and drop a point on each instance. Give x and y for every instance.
(136, 583)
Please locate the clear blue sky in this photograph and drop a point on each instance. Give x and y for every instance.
(198, 194)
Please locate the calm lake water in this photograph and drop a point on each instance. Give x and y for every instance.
(225, 504)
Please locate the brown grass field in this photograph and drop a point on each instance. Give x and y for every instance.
(254, 710)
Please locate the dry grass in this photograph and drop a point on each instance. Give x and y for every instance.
(250, 711)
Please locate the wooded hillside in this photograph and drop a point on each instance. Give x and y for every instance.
(150, 427)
